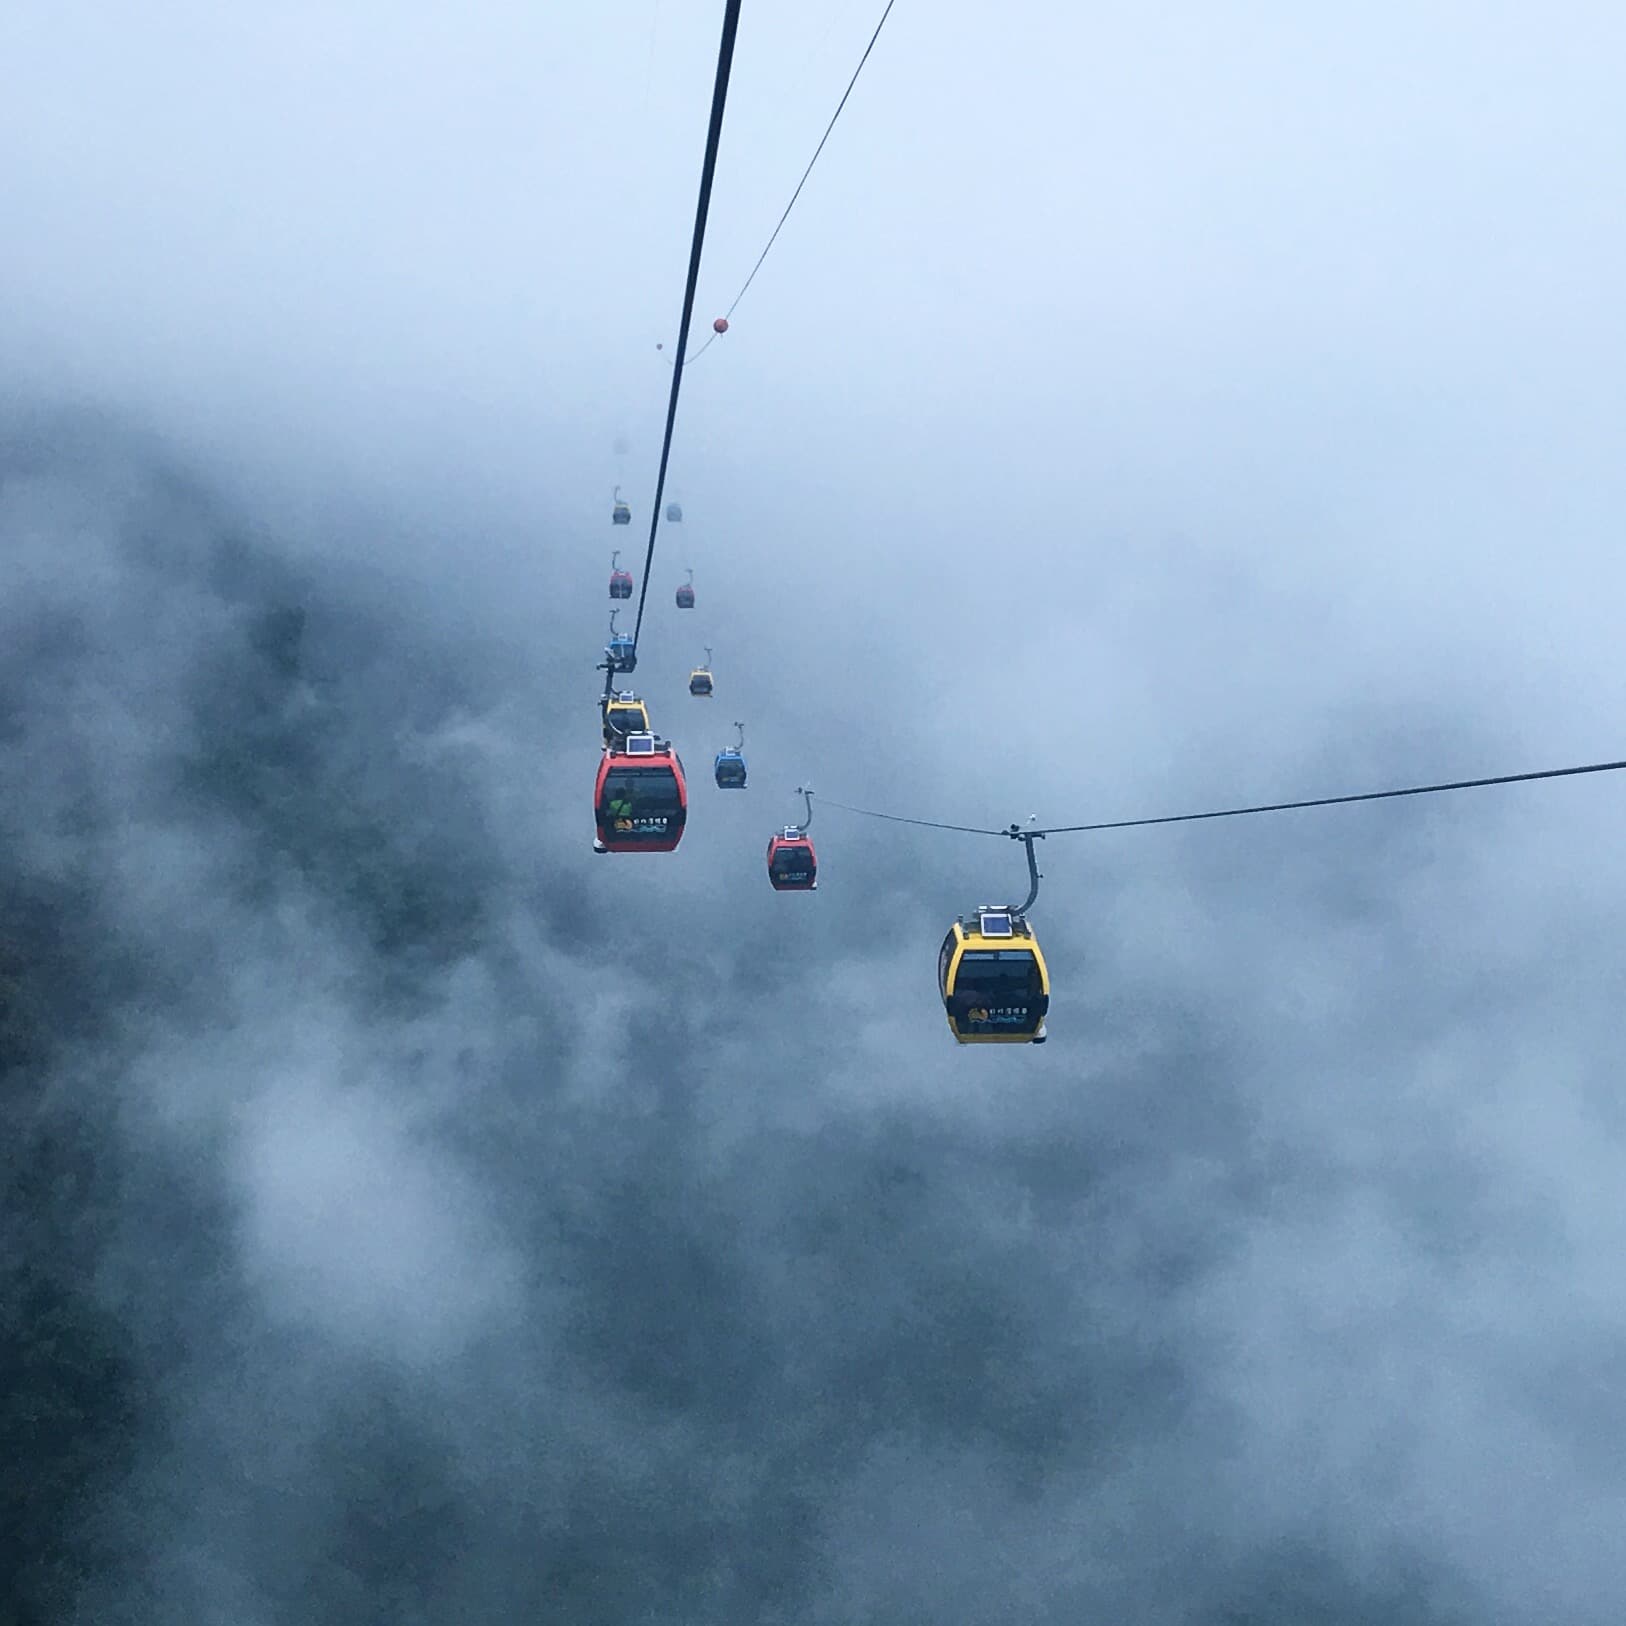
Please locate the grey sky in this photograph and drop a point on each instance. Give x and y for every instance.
(1142, 408)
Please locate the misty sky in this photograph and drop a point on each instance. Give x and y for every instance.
(412, 1217)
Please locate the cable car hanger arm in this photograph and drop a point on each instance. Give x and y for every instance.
(1027, 838)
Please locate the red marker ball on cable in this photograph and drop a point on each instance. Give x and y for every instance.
(720, 325)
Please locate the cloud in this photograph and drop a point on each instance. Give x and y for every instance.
(481, 1247)
(412, 1216)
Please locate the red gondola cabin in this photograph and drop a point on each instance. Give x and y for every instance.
(792, 864)
(640, 802)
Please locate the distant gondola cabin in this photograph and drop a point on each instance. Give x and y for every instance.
(624, 714)
(793, 866)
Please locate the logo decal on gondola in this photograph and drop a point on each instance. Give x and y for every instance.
(997, 1015)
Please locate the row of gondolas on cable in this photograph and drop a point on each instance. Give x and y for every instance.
(991, 973)
(641, 796)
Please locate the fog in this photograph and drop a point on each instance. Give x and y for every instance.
(412, 1216)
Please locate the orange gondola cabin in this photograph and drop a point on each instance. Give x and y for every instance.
(792, 864)
(640, 802)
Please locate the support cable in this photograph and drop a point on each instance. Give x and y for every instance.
(1017, 834)
(801, 183)
(714, 132)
